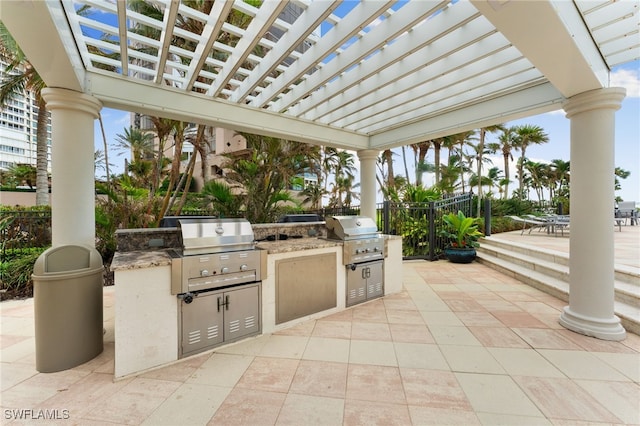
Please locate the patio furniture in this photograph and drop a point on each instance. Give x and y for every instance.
(627, 210)
(533, 223)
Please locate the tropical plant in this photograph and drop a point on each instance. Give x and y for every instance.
(526, 135)
(461, 231)
(480, 151)
(19, 78)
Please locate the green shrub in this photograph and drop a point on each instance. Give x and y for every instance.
(15, 273)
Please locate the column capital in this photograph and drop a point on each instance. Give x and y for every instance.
(71, 100)
(368, 154)
(608, 98)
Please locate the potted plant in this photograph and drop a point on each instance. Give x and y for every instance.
(462, 233)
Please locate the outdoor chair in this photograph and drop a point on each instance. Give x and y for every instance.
(627, 210)
(533, 223)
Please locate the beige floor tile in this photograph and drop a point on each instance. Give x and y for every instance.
(519, 319)
(471, 359)
(420, 355)
(311, 411)
(251, 346)
(303, 329)
(371, 352)
(7, 340)
(632, 341)
(180, 371)
(245, 407)
(479, 319)
(269, 374)
(375, 383)
(18, 350)
(285, 346)
(442, 416)
(501, 337)
(327, 349)
(620, 398)
(430, 304)
(175, 409)
(582, 365)
(511, 420)
(593, 344)
(410, 333)
(524, 362)
(465, 305)
(370, 331)
(435, 389)
(134, 402)
(332, 329)
(11, 374)
(320, 378)
(498, 394)
(448, 335)
(401, 301)
(563, 399)
(499, 306)
(81, 397)
(537, 307)
(545, 339)
(441, 318)
(404, 317)
(358, 413)
(627, 364)
(40, 387)
(369, 313)
(221, 370)
(346, 315)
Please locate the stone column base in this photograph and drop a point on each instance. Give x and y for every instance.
(610, 329)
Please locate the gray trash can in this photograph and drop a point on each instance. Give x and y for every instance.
(67, 299)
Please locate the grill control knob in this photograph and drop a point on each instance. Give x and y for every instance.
(376, 249)
(243, 267)
(224, 270)
(204, 273)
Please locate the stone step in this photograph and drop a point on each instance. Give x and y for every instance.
(539, 270)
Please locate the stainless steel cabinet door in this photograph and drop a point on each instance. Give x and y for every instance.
(201, 322)
(241, 313)
(375, 279)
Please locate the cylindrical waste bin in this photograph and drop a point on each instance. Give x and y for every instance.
(67, 299)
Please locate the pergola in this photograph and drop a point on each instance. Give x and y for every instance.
(365, 76)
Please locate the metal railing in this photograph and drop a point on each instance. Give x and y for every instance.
(21, 231)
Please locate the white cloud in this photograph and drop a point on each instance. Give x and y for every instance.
(629, 79)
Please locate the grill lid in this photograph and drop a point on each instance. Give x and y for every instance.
(203, 236)
(350, 227)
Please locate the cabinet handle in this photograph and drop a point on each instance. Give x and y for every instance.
(219, 304)
(226, 303)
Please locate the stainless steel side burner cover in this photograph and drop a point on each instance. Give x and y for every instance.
(203, 236)
(347, 228)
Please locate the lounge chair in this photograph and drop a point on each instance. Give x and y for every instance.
(533, 223)
(627, 210)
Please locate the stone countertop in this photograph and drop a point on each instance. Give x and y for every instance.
(128, 260)
(123, 261)
(296, 244)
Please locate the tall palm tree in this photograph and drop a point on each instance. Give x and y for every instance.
(387, 158)
(561, 175)
(420, 150)
(526, 135)
(506, 144)
(19, 78)
(480, 151)
(437, 144)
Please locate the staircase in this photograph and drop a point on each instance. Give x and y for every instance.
(548, 271)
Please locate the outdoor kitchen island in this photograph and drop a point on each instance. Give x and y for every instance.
(147, 314)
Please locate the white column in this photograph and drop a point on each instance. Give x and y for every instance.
(591, 282)
(368, 158)
(72, 166)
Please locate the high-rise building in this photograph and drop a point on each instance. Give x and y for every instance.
(19, 129)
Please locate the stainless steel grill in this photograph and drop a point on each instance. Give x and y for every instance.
(216, 276)
(362, 254)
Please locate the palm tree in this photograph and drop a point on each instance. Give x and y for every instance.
(559, 170)
(420, 150)
(387, 158)
(480, 151)
(506, 145)
(526, 135)
(19, 78)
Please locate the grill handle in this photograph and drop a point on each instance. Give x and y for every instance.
(225, 303)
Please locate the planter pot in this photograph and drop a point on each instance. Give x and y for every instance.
(460, 255)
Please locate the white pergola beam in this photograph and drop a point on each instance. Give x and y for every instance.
(147, 98)
(552, 35)
(360, 16)
(534, 100)
(169, 22)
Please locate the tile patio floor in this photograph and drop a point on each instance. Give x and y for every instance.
(462, 344)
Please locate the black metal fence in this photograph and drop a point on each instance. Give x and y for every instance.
(22, 230)
(419, 224)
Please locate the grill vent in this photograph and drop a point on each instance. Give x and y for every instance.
(212, 332)
(194, 337)
(234, 326)
(250, 322)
